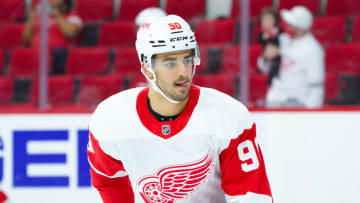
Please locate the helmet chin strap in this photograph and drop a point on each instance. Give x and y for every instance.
(156, 87)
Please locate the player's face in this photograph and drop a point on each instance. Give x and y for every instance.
(174, 73)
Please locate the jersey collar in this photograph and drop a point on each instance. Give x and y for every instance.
(166, 129)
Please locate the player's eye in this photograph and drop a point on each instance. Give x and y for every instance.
(189, 61)
(170, 65)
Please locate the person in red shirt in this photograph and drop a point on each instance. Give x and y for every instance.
(64, 26)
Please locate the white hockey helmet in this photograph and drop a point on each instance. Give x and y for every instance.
(163, 35)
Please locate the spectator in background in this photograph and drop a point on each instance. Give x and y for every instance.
(144, 15)
(300, 81)
(269, 39)
(63, 29)
(63, 25)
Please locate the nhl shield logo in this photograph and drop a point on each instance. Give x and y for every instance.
(165, 129)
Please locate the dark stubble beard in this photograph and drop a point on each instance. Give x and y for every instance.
(173, 96)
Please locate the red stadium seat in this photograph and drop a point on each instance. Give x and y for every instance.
(203, 59)
(187, 9)
(343, 7)
(215, 32)
(231, 59)
(11, 35)
(130, 8)
(115, 34)
(255, 33)
(60, 90)
(6, 90)
(329, 30)
(222, 82)
(255, 7)
(94, 10)
(24, 62)
(1, 62)
(258, 90)
(312, 5)
(355, 37)
(94, 89)
(87, 61)
(331, 87)
(127, 61)
(343, 58)
(138, 81)
(11, 10)
(254, 53)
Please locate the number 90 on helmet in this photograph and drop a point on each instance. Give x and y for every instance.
(162, 35)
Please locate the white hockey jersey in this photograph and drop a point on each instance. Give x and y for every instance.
(208, 154)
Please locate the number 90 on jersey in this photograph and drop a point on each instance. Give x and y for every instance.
(247, 154)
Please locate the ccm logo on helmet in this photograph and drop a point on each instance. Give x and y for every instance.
(178, 38)
(174, 26)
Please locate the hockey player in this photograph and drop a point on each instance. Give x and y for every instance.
(174, 142)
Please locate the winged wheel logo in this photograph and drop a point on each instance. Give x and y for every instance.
(175, 182)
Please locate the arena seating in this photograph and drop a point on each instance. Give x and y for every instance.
(126, 61)
(94, 10)
(24, 62)
(188, 9)
(6, 89)
(203, 59)
(231, 59)
(222, 82)
(255, 7)
(343, 58)
(258, 89)
(96, 88)
(117, 33)
(138, 81)
(355, 37)
(60, 90)
(1, 62)
(128, 9)
(11, 35)
(331, 87)
(329, 30)
(215, 32)
(88, 61)
(12, 10)
(342, 8)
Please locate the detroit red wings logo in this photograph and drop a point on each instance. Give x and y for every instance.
(175, 182)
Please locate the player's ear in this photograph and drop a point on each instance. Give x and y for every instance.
(146, 72)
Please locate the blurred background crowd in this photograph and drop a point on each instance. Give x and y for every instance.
(91, 50)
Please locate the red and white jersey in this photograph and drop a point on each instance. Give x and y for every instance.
(208, 154)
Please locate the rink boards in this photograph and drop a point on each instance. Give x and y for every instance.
(311, 156)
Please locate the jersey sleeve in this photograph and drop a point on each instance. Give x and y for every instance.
(243, 174)
(108, 175)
